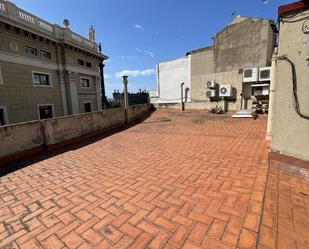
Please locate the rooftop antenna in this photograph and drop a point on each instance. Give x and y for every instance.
(234, 15)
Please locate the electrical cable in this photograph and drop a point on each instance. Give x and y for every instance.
(294, 81)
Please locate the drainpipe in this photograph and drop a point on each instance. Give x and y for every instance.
(126, 97)
(182, 103)
(272, 94)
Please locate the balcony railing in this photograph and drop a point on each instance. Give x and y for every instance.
(12, 12)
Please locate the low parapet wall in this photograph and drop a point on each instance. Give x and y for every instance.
(20, 140)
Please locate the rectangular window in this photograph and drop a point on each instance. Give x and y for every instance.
(41, 79)
(31, 51)
(84, 82)
(45, 54)
(45, 111)
(81, 62)
(88, 64)
(87, 107)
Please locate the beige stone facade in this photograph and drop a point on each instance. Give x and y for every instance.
(244, 43)
(45, 67)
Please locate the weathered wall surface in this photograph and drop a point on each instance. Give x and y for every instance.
(244, 43)
(20, 137)
(232, 77)
(65, 128)
(25, 136)
(170, 75)
(137, 111)
(290, 132)
(202, 64)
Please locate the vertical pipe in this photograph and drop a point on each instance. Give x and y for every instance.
(181, 96)
(272, 95)
(126, 97)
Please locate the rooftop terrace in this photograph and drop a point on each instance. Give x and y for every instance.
(176, 180)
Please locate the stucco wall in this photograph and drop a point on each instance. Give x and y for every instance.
(29, 135)
(137, 111)
(170, 75)
(20, 137)
(232, 77)
(21, 97)
(290, 132)
(65, 128)
(243, 43)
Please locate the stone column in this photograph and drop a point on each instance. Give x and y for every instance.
(73, 81)
(63, 91)
(98, 93)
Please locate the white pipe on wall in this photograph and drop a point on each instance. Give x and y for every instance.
(272, 94)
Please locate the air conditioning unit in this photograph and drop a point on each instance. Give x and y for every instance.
(250, 75)
(210, 84)
(260, 90)
(225, 90)
(211, 93)
(265, 74)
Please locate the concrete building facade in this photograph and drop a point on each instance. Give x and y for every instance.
(289, 117)
(243, 43)
(46, 70)
(170, 75)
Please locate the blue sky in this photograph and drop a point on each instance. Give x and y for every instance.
(137, 34)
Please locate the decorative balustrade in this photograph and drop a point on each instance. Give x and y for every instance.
(26, 17)
(76, 38)
(11, 11)
(45, 25)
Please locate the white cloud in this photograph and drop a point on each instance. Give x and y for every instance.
(151, 54)
(138, 50)
(130, 57)
(137, 26)
(107, 76)
(135, 73)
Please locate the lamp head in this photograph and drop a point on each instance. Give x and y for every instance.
(125, 79)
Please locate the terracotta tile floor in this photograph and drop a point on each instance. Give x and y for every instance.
(173, 181)
(285, 222)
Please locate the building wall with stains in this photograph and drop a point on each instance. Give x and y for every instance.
(290, 132)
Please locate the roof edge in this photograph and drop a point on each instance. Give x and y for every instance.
(300, 5)
(200, 50)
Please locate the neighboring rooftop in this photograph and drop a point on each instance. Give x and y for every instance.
(200, 50)
(12, 15)
(300, 5)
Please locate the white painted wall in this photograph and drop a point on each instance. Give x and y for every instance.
(170, 75)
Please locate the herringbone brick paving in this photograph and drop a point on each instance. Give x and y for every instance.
(173, 181)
